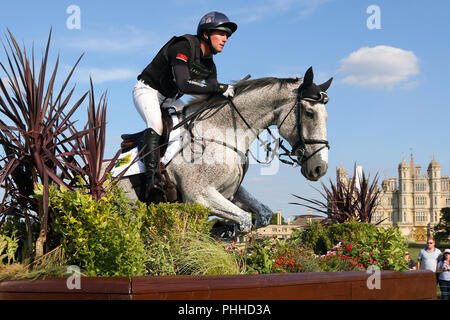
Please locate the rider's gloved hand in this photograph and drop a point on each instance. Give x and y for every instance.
(227, 90)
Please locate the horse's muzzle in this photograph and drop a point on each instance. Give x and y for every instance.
(314, 172)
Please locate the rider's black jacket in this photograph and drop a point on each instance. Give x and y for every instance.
(180, 67)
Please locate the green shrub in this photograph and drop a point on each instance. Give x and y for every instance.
(339, 263)
(164, 228)
(356, 245)
(8, 248)
(279, 256)
(322, 238)
(161, 257)
(100, 236)
(296, 258)
(171, 220)
(315, 237)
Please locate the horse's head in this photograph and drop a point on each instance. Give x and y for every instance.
(303, 125)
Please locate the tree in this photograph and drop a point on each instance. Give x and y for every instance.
(442, 229)
(41, 145)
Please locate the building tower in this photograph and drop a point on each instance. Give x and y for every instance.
(434, 176)
(404, 193)
(342, 174)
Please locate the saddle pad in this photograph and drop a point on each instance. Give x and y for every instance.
(127, 158)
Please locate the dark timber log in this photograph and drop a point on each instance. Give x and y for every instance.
(415, 285)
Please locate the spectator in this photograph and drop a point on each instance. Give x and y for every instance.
(444, 278)
(411, 263)
(429, 256)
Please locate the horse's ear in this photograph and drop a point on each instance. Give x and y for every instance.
(309, 76)
(324, 86)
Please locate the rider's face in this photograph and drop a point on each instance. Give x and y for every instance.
(218, 40)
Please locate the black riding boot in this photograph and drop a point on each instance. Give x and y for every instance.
(151, 162)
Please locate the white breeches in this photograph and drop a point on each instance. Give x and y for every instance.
(148, 103)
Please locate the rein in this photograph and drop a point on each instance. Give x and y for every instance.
(299, 148)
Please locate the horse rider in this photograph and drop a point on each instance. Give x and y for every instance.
(184, 65)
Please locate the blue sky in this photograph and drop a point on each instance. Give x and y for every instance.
(388, 96)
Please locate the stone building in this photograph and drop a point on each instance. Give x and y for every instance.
(284, 231)
(413, 200)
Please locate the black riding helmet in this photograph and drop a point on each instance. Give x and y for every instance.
(214, 21)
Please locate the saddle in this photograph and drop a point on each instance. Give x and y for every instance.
(131, 141)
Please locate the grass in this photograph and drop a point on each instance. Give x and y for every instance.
(49, 265)
(202, 255)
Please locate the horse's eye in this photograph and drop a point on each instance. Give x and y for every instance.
(309, 114)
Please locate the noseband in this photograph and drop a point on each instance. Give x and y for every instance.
(299, 148)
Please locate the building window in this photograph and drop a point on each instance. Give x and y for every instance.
(448, 201)
(434, 186)
(420, 186)
(404, 216)
(420, 201)
(404, 200)
(435, 201)
(389, 201)
(377, 216)
(404, 187)
(420, 217)
(274, 229)
(435, 217)
(404, 174)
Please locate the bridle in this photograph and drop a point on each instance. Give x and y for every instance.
(299, 148)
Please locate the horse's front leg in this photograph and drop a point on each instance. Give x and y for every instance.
(222, 207)
(247, 202)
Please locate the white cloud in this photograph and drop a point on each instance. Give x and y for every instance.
(380, 67)
(103, 75)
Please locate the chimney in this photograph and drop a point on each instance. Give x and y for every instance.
(279, 217)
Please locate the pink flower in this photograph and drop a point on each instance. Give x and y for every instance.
(370, 259)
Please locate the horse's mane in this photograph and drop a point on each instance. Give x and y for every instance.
(241, 87)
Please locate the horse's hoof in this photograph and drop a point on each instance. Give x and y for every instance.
(245, 227)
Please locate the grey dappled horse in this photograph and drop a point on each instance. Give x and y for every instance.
(210, 167)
